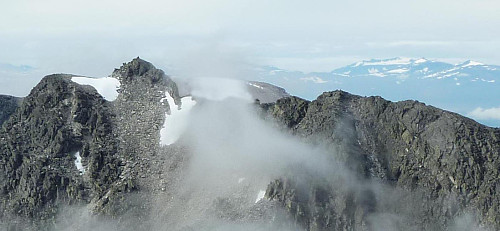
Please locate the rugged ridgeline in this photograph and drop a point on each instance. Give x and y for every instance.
(441, 165)
(414, 166)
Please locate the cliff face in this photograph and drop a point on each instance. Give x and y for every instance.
(451, 161)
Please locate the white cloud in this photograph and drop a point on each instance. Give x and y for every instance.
(488, 113)
(314, 79)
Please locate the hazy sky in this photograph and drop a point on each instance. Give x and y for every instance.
(94, 36)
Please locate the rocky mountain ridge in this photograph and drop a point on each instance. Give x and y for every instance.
(406, 152)
(452, 160)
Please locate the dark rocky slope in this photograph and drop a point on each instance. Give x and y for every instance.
(38, 146)
(59, 118)
(8, 105)
(450, 163)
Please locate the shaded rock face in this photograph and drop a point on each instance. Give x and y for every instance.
(449, 163)
(8, 105)
(115, 140)
(39, 143)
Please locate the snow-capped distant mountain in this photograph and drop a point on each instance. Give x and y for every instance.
(7, 67)
(459, 87)
(393, 67)
(420, 68)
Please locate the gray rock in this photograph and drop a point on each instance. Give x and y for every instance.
(38, 142)
(448, 163)
(8, 105)
(265, 92)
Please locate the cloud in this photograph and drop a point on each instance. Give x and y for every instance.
(314, 79)
(485, 114)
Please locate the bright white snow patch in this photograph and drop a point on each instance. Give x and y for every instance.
(260, 196)
(105, 86)
(241, 180)
(472, 63)
(395, 61)
(488, 81)
(422, 60)
(313, 79)
(398, 71)
(488, 113)
(175, 124)
(375, 72)
(255, 85)
(78, 163)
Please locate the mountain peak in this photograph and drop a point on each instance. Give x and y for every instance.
(138, 68)
(469, 63)
(391, 61)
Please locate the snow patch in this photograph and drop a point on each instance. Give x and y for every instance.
(375, 72)
(471, 63)
(176, 122)
(107, 87)
(260, 195)
(78, 163)
(398, 71)
(358, 64)
(273, 72)
(419, 61)
(255, 85)
(241, 180)
(395, 61)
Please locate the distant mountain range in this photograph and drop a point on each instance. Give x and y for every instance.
(6, 67)
(460, 87)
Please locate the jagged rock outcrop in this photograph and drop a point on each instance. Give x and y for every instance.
(449, 162)
(140, 113)
(38, 145)
(60, 118)
(8, 105)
